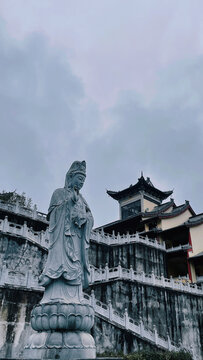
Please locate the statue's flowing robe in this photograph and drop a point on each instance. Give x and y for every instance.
(70, 224)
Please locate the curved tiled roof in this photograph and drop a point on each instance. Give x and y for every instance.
(159, 209)
(142, 184)
(194, 220)
(177, 211)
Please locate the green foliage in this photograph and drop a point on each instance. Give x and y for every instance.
(150, 355)
(158, 355)
(13, 197)
(110, 354)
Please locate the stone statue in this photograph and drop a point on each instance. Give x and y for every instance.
(62, 319)
(70, 224)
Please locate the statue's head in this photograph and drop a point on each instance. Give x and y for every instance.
(76, 175)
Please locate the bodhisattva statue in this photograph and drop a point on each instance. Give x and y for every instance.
(70, 224)
(62, 317)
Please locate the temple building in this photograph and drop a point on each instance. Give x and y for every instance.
(142, 210)
(145, 274)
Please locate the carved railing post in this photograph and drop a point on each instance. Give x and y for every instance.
(153, 278)
(169, 342)
(131, 273)
(195, 288)
(5, 224)
(100, 272)
(98, 236)
(126, 319)
(106, 272)
(137, 238)
(147, 239)
(17, 207)
(141, 326)
(162, 279)
(25, 229)
(92, 300)
(155, 335)
(172, 282)
(119, 270)
(110, 310)
(3, 273)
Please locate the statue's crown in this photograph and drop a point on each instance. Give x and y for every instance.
(78, 167)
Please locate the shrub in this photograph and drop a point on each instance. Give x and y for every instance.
(158, 355)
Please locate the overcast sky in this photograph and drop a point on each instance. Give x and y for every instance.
(117, 83)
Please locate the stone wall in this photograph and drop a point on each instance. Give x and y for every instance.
(176, 313)
(16, 306)
(141, 257)
(109, 338)
(15, 329)
(19, 256)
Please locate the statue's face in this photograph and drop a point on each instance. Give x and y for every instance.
(78, 181)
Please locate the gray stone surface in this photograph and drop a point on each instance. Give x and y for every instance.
(140, 256)
(61, 318)
(176, 313)
(70, 225)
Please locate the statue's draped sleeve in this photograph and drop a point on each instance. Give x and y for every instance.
(85, 243)
(56, 200)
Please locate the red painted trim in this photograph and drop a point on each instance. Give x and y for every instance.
(188, 266)
(190, 241)
(188, 263)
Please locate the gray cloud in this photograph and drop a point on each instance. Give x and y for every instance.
(48, 121)
(162, 138)
(39, 97)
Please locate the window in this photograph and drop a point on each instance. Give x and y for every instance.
(131, 209)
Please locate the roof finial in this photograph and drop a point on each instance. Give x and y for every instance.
(141, 173)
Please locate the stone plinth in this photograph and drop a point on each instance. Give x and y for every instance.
(63, 332)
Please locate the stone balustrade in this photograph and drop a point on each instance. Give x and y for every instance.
(179, 248)
(107, 239)
(38, 237)
(42, 237)
(106, 274)
(15, 277)
(19, 279)
(18, 209)
(137, 328)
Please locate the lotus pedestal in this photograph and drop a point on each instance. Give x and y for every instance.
(62, 332)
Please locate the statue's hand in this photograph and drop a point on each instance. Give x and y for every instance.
(79, 221)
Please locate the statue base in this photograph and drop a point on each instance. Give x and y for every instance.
(62, 332)
(61, 345)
